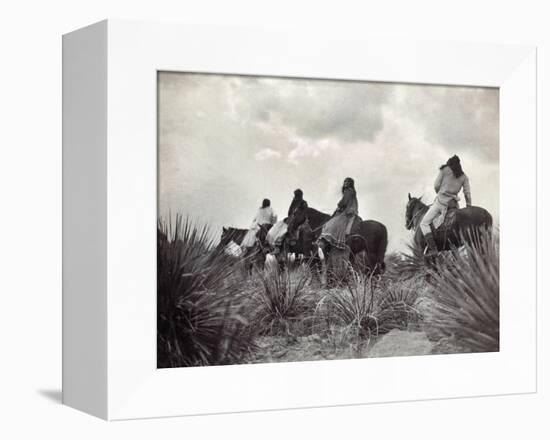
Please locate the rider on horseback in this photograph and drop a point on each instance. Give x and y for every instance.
(339, 226)
(264, 217)
(298, 202)
(297, 208)
(297, 215)
(450, 180)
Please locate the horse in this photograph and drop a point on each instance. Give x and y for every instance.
(469, 221)
(231, 234)
(370, 242)
(369, 239)
(255, 255)
(303, 243)
(300, 238)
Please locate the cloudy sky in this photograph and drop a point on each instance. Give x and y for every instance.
(227, 142)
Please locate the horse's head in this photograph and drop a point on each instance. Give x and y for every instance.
(261, 235)
(227, 236)
(411, 209)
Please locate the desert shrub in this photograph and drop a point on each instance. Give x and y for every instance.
(410, 264)
(368, 305)
(397, 304)
(464, 307)
(281, 301)
(200, 318)
(351, 305)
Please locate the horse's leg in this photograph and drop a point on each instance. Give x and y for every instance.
(347, 262)
(262, 258)
(314, 263)
(281, 255)
(337, 265)
(250, 264)
(322, 252)
(246, 266)
(255, 259)
(357, 251)
(328, 253)
(374, 256)
(419, 240)
(353, 261)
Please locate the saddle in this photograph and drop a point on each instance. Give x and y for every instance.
(263, 229)
(355, 227)
(449, 221)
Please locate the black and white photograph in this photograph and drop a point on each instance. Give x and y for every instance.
(315, 219)
(308, 220)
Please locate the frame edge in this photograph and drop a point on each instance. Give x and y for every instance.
(84, 214)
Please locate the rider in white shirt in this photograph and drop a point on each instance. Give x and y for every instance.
(450, 180)
(265, 216)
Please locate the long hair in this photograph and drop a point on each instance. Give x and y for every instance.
(454, 164)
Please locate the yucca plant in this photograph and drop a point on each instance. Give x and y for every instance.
(280, 299)
(465, 306)
(372, 305)
(396, 307)
(352, 305)
(200, 318)
(410, 264)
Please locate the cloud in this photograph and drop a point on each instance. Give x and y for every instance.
(267, 153)
(313, 109)
(226, 142)
(457, 118)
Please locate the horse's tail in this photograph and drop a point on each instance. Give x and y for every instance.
(488, 224)
(485, 222)
(488, 220)
(381, 251)
(475, 223)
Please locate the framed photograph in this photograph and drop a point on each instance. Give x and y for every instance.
(259, 220)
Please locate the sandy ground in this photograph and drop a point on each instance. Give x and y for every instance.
(402, 343)
(339, 346)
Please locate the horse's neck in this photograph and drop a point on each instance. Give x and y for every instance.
(419, 213)
(317, 218)
(238, 235)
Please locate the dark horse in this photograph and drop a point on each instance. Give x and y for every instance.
(468, 221)
(368, 240)
(255, 255)
(305, 242)
(231, 234)
(300, 238)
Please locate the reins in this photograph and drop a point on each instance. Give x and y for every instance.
(414, 217)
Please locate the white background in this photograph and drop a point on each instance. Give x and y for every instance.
(30, 292)
(135, 388)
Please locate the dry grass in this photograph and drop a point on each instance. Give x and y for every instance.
(281, 301)
(350, 306)
(406, 265)
(397, 307)
(369, 306)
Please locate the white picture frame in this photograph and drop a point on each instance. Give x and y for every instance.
(110, 213)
